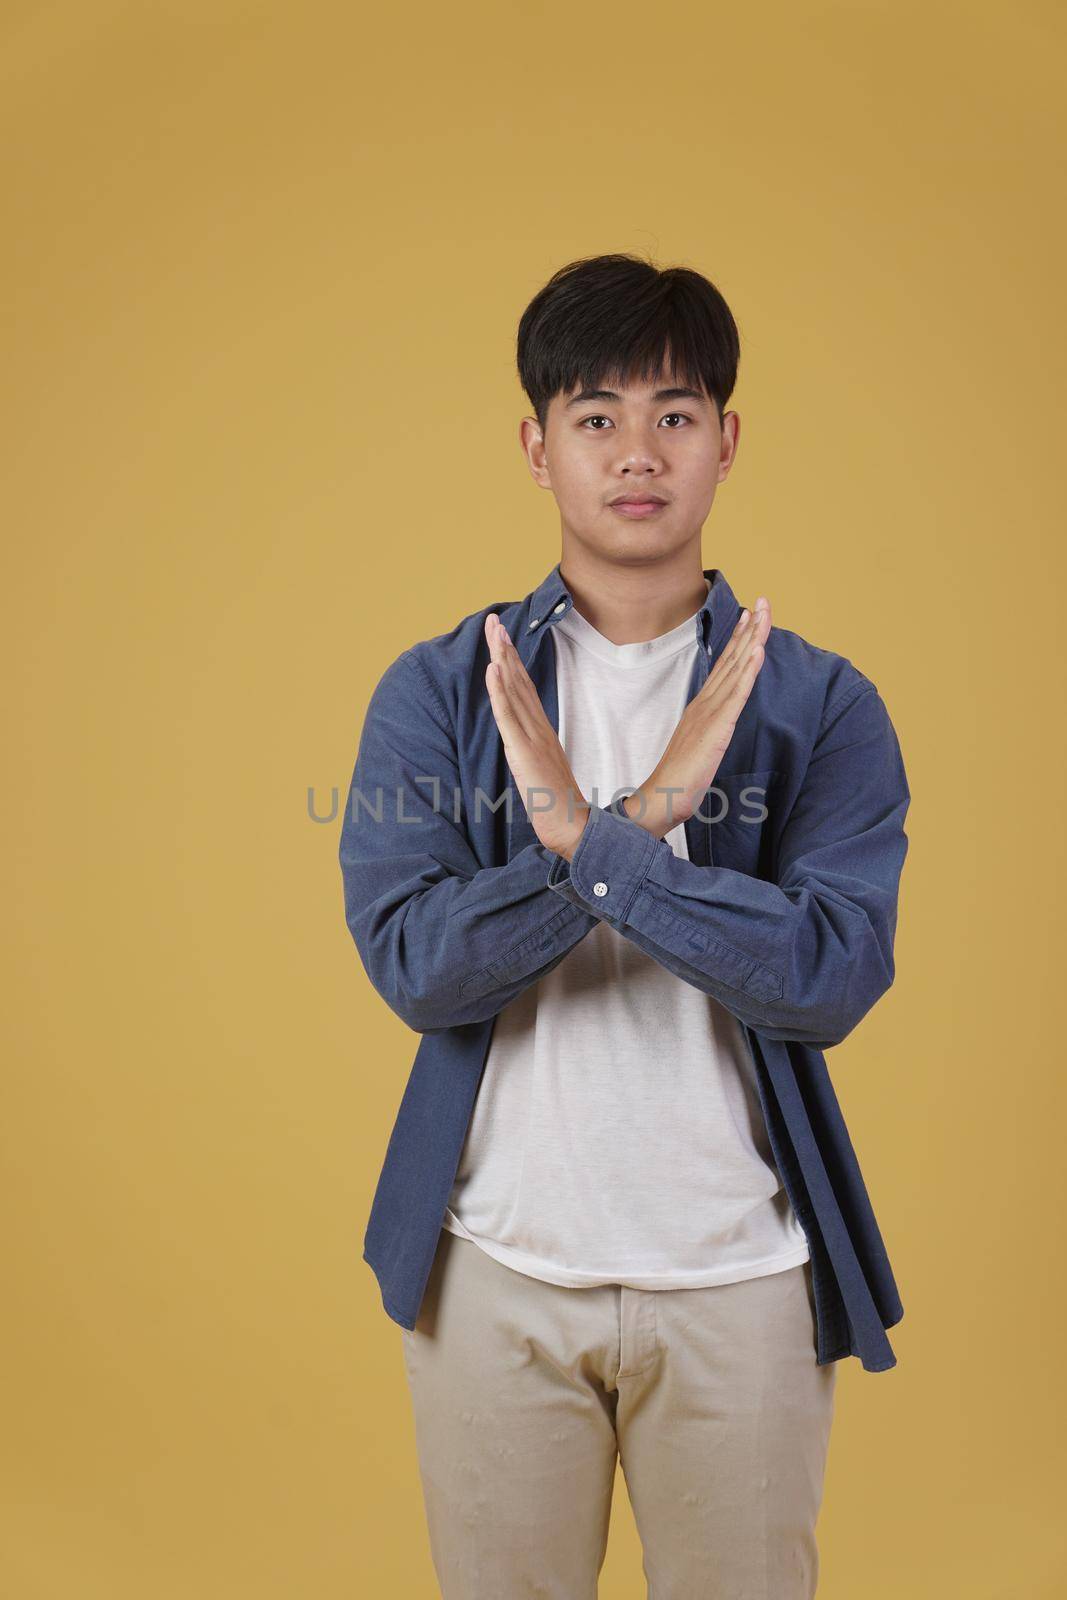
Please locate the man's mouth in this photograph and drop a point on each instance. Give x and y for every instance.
(638, 508)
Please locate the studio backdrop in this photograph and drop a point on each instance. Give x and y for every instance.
(263, 266)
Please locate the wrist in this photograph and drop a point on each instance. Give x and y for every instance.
(568, 843)
(640, 808)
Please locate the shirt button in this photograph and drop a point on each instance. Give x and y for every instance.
(600, 888)
(535, 621)
(562, 606)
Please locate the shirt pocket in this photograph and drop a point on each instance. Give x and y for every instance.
(738, 813)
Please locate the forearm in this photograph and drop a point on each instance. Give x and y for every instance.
(802, 961)
(443, 949)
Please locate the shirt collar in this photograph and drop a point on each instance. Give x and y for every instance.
(552, 600)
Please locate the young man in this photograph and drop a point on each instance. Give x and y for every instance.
(627, 856)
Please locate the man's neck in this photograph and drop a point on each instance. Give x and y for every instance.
(630, 602)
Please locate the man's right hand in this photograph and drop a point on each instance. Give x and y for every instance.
(688, 766)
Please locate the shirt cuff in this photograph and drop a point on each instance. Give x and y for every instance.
(608, 866)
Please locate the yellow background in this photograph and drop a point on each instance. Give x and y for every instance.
(264, 265)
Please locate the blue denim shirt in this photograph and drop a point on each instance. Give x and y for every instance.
(785, 912)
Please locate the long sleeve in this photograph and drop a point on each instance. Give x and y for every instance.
(444, 941)
(804, 957)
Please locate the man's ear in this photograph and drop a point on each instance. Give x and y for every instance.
(532, 440)
(731, 434)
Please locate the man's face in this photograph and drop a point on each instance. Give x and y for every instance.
(657, 439)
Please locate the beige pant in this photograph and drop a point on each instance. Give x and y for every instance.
(524, 1393)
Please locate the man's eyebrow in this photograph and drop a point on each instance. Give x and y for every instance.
(660, 394)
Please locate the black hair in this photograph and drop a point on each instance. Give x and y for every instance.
(619, 318)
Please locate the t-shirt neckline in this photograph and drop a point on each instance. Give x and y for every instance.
(639, 653)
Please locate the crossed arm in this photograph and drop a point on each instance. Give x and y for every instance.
(446, 942)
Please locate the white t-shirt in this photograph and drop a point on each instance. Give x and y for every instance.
(617, 1135)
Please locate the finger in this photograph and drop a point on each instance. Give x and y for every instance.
(763, 619)
(728, 715)
(754, 629)
(731, 662)
(732, 686)
(735, 643)
(740, 687)
(496, 634)
(523, 715)
(520, 686)
(744, 631)
(511, 731)
(493, 631)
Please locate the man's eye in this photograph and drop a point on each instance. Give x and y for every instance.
(679, 415)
